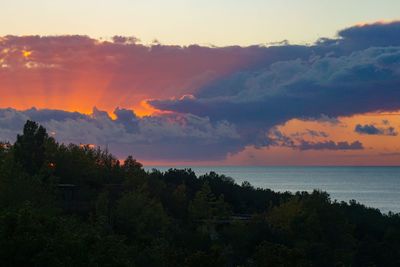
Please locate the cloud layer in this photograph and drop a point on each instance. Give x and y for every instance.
(153, 137)
(210, 102)
(76, 73)
(338, 83)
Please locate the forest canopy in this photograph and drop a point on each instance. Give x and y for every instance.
(76, 205)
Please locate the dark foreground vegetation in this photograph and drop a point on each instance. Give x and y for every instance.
(78, 206)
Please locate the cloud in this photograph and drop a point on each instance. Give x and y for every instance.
(365, 81)
(51, 114)
(340, 79)
(168, 137)
(311, 133)
(370, 129)
(76, 73)
(330, 145)
(325, 119)
(211, 101)
(296, 141)
(374, 34)
(127, 118)
(326, 86)
(11, 122)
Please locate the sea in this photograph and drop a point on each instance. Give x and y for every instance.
(377, 187)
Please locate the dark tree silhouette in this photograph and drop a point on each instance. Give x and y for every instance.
(29, 149)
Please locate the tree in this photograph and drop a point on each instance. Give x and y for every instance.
(141, 217)
(30, 147)
(276, 255)
(145, 224)
(31, 238)
(134, 173)
(206, 207)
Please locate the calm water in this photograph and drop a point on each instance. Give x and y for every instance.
(377, 187)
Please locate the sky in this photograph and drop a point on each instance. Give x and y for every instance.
(184, 22)
(207, 82)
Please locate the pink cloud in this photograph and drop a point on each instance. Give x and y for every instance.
(78, 72)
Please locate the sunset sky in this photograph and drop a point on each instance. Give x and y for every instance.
(207, 82)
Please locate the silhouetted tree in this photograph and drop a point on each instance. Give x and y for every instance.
(29, 149)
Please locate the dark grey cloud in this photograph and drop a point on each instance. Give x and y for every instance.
(370, 129)
(367, 129)
(359, 83)
(329, 85)
(128, 118)
(357, 73)
(376, 34)
(296, 141)
(330, 145)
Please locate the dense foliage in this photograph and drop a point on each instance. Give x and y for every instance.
(78, 206)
